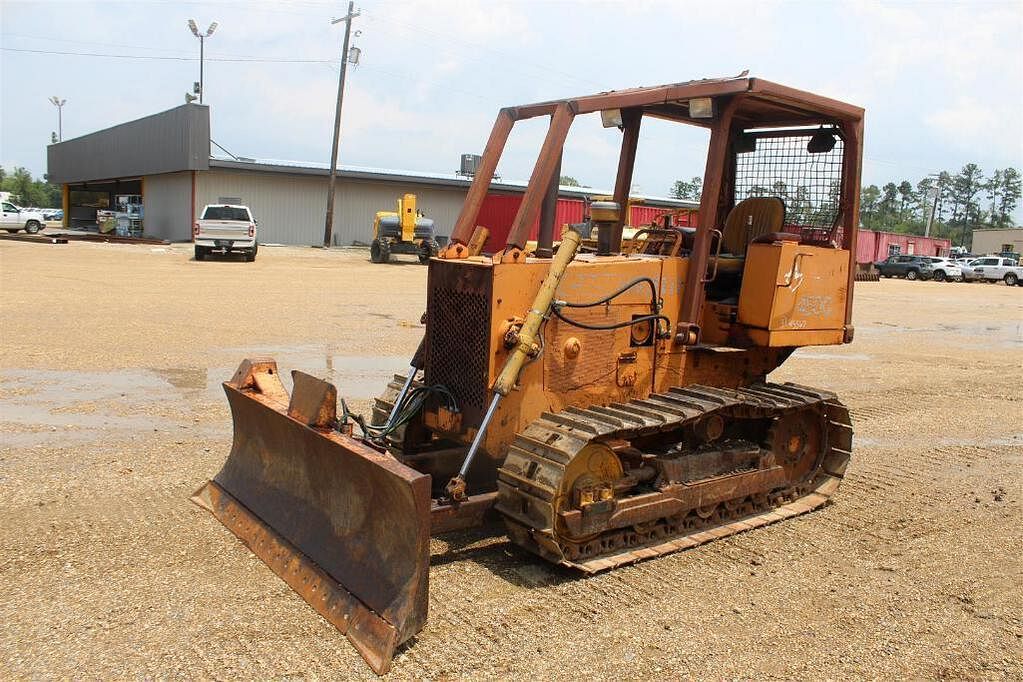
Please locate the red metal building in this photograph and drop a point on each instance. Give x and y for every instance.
(873, 246)
(498, 213)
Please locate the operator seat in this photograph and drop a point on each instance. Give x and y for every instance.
(749, 220)
(757, 219)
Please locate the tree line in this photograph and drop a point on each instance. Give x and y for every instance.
(960, 201)
(28, 191)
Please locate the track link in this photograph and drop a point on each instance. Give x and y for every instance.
(529, 481)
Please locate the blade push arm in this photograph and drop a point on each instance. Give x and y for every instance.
(526, 348)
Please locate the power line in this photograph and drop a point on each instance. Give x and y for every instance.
(175, 59)
(51, 39)
(108, 45)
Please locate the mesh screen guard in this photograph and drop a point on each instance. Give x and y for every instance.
(809, 184)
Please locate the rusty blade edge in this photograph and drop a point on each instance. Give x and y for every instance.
(373, 637)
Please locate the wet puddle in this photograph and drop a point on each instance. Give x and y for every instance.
(359, 377)
(44, 406)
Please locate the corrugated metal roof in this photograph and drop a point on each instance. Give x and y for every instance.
(421, 177)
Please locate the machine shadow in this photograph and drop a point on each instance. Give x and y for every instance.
(489, 547)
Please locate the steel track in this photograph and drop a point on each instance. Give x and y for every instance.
(529, 480)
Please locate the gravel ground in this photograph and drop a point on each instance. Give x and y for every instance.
(111, 415)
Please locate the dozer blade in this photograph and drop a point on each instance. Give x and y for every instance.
(345, 526)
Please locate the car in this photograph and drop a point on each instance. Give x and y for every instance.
(910, 267)
(53, 214)
(945, 269)
(992, 269)
(225, 228)
(14, 218)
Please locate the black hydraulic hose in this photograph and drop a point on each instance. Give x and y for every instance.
(611, 296)
(407, 410)
(654, 305)
(607, 327)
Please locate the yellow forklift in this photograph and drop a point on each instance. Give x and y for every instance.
(405, 231)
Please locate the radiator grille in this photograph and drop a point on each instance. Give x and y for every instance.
(458, 334)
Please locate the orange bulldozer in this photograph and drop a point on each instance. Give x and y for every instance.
(609, 406)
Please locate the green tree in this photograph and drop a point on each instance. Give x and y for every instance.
(887, 205)
(568, 181)
(687, 191)
(966, 186)
(944, 193)
(799, 207)
(27, 191)
(1009, 196)
(993, 190)
(925, 190)
(54, 193)
(19, 184)
(906, 197)
(869, 197)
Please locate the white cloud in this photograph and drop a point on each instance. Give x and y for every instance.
(968, 122)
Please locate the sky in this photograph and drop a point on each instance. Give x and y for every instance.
(941, 82)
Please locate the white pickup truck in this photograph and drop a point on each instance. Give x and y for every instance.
(15, 218)
(992, 269)
(225, 228)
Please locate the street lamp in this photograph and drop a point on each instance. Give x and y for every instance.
(202, 41)
(59, 103)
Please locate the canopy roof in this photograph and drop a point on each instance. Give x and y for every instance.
(762, 103)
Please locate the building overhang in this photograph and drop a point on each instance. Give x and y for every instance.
(174, 140)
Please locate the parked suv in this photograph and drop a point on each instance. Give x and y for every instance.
(945, 270)
(910, 267)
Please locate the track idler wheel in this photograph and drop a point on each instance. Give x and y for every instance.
(798, 440)
(588, 485)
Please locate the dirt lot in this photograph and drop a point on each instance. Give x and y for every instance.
(111, 415)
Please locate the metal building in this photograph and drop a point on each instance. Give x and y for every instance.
(1008, 240)
(164, 163)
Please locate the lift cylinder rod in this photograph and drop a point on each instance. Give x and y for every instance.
(526, 348)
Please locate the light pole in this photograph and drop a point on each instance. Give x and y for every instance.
(328, 229)
(202, 44)
(59, 103)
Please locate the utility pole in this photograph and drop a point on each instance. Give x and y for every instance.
(934, 205)
(328, 228)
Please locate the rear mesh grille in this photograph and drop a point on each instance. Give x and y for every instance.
(458, 334)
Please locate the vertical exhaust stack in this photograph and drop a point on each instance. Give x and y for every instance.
(605, 215)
